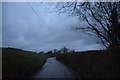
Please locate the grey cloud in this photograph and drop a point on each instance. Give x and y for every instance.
(22, 28)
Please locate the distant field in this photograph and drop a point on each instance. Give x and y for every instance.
(92, 64)
(17, 63)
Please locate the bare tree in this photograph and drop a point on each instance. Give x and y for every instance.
(55, 51)
(58, 51)
(102, 19)
(49, 52)
(64, 50)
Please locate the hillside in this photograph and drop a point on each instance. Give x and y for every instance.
(18, 63)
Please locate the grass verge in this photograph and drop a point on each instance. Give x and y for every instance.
(17, 63)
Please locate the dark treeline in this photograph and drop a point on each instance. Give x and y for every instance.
(55, 51)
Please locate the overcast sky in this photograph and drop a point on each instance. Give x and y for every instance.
(47, 30)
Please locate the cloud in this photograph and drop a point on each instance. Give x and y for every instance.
(24, 29)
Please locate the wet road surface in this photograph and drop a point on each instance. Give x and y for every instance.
(55, 69)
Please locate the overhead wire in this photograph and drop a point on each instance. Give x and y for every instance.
(41, 18)
(37, 14)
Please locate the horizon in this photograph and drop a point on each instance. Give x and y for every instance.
(46, 51)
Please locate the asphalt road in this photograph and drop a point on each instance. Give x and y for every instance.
(55, 69)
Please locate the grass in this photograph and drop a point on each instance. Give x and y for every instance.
(17, 63)
(92, 64)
